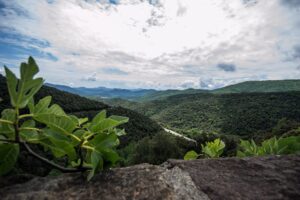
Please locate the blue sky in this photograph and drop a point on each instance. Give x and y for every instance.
(158, 44)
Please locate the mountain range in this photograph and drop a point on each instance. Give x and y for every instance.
(151, 94)
(103, 92)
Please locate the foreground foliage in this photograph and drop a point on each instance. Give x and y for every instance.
(272, 146)
(85, 145)
(212, 149)
(247, 148)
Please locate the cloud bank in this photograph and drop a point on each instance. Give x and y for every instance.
(153, 43)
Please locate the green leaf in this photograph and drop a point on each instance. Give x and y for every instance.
(105, 140)
(12, 83)
(42, 107)
(101, 123)
(99, 117)
(9, 114)
(108, 154)
(60, 123)
(29, 70)
(8, 157)
(61, 145)
(249, 148)
(191, 155)
(120, 132)
(29, 135)
(240, 154)
(83, 120)
(80, 133)
(96, 163)
(5, 128)
(119, 119)
(105, 124)
(104, 144)
(213, 149)
(21, 91)
(290, 144)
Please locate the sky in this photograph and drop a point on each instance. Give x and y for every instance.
(160, 44)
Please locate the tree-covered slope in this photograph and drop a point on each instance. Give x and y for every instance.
(244, 87)
(238, 114)
(137, 128)
(163, 94)
(261, 86)
(103, 92)
(144, 95)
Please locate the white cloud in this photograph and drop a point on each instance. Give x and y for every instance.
(189, 84)
(91, 78)
(154, 42)
(2, 70)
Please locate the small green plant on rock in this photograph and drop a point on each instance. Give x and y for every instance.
(272, 146)
(87, 145)
(212, 149)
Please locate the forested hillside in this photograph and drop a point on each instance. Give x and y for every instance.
(261, 86)
(104, 92)
(244, 87)
(243, 114)
(156, 95)
(115, 96)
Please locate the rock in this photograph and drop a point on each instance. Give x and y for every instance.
(226, 178)
(249, 178)
(138, 182)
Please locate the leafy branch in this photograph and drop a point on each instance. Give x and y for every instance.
(87, 145)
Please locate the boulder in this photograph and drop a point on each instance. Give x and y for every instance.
(276, 177)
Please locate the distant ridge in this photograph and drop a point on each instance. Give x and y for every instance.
(103, 92)
(261, 86)
(151, 94)
(244, 87)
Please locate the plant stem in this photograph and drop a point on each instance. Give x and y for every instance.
(8, 141)
(54, 165)
(75, 137)
(80, 153)
(88, 147)
(5, 121)
(30, 129)
(25, 115)
(80, 156)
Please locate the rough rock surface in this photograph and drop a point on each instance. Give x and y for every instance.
(228, 178)
(249, 178)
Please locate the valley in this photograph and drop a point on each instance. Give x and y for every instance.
(166, 124)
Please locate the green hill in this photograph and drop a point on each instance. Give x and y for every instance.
(115, 96)
(261, 86)
(244, 87)
(137, 128)
(244, 114)
(156, 95)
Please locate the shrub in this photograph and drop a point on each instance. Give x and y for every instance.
(157, 150)
(272, 146)
(88, 146)
(212, 149)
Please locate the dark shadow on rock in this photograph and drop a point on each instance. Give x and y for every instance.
(254, 178)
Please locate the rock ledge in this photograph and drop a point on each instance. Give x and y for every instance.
(226, 178)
